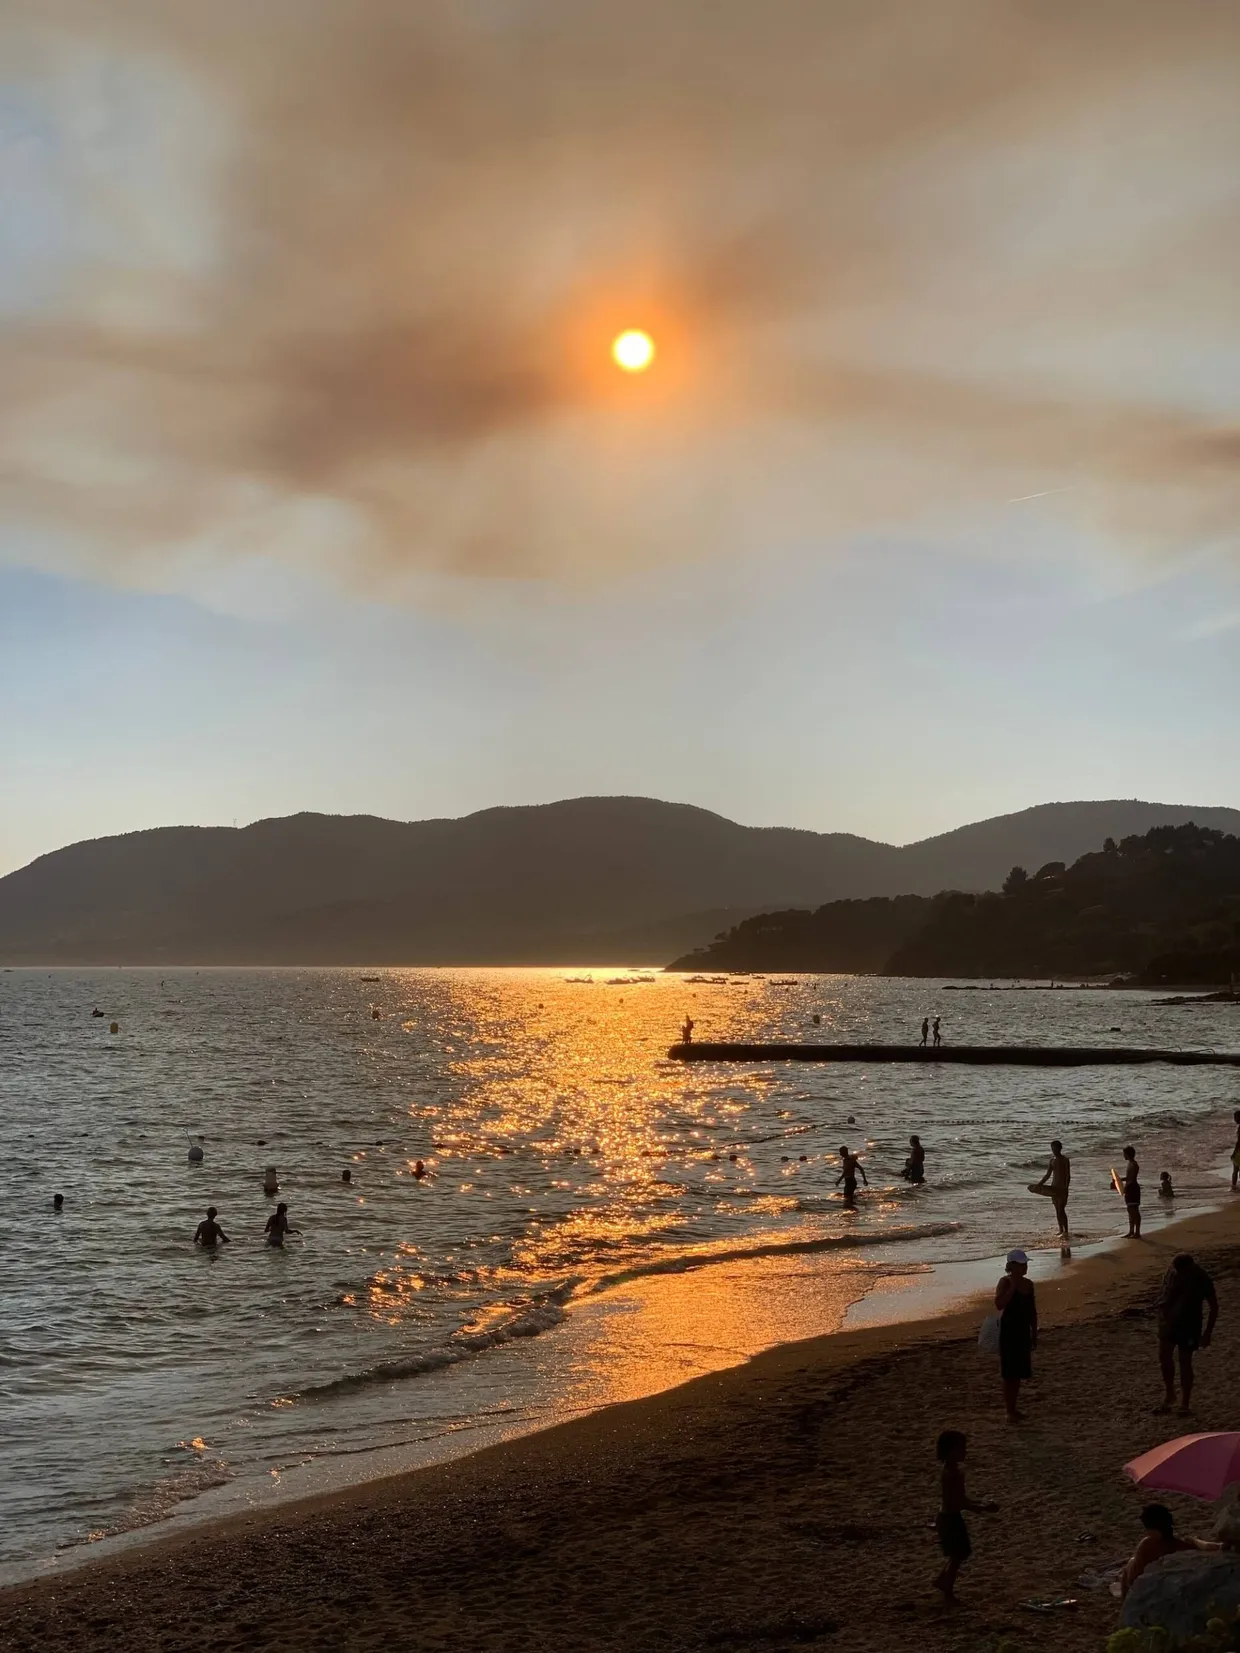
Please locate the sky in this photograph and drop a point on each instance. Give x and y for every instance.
(319, 488)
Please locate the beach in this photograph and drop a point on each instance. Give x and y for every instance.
(784, 1502)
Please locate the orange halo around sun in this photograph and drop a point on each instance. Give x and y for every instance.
(633, 350)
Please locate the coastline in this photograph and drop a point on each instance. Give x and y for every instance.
(656, 1459)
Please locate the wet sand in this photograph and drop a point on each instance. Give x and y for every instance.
(785, 1502)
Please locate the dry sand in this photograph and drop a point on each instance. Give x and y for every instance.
(786, 1502)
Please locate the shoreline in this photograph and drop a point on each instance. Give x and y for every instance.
(876, 1299)
(1093, 1292)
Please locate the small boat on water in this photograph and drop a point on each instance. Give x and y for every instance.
(587, 981)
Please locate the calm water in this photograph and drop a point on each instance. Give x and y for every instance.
(598, 1221)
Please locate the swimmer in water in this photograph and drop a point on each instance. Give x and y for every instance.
(209, 1233)
(915, 1165)
(419, 1170)
(848, 1176)
(58, 1202)
(278, 1225)
(346, 1175)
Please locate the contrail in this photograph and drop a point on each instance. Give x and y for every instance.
(1045, 492)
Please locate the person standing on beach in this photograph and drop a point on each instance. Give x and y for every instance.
(1235, 1154)
(209, 1234)
(848, 1176)
(1132, 1193)
(1018, 1329)
(1187, 1289)
(954, 1540)
(1059, 1174)
(925, 1029)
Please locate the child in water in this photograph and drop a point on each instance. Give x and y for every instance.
(954, 1540)
(1165, 1190)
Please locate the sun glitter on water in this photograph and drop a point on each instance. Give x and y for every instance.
(633, 350)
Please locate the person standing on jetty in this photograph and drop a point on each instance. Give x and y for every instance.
(1132, 1193)
(686, 1031)
(938, 1031)
(954, 1540)
(209, 1234)
(925, 1029)
(1059, 1174)
(1187, 1289)
(848, 1176)
(1018, 1329)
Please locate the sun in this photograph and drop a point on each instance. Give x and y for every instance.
(632, 350)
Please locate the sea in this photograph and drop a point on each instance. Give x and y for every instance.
(596, 1221)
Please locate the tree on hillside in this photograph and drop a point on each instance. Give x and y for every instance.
(1015, 880)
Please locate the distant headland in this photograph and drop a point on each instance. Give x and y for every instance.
(1157, 908)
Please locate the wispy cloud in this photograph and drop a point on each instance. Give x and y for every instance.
(333, 281)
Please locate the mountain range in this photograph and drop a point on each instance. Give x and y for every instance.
(581, 880)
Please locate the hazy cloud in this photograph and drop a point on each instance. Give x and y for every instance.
(334, 279)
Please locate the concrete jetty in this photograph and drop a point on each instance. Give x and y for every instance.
(1023, 1056)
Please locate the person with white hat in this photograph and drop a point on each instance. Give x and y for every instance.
(1018, 1329)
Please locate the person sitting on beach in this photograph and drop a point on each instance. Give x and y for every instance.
(954, 1540)
(1059, 1174)
(1187, 1289)
(1132, 1193)
(1018, 1329)
(209, 1233)
(1160, 1539)
(278, 1225)
(848, 1176)
(915, 1165)
(1165, 1190)
(686, 1031)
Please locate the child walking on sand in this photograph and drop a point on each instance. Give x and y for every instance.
(954, 1540)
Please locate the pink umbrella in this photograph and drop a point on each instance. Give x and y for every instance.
(1201, 1465)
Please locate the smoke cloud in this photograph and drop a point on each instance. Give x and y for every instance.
(334, 280)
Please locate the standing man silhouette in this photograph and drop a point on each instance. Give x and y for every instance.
(925, 1029)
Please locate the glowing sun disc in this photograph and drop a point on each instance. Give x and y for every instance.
(633, 350)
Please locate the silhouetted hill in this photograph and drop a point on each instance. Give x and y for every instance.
(845, 937)
(580, 880)
(1163, 906)
(1122, 910)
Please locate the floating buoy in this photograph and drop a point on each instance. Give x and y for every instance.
(271, 1182)
(115, 1027)
(375, 1015)
(195, 1154)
